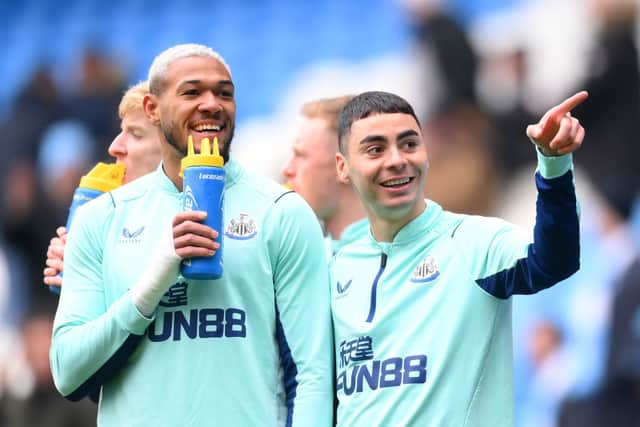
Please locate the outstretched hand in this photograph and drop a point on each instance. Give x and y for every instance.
(557, 132)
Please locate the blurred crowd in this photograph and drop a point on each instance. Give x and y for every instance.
(48, 143)
(577, 345)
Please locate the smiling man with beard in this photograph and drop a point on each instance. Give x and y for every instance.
(251, 348)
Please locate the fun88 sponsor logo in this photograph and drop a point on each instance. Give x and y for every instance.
(195, 323)
(199, 323)
(361, 370)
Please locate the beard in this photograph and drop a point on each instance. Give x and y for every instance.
(173, 141)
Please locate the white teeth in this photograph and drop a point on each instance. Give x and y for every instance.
(396, 182)
(205, 128)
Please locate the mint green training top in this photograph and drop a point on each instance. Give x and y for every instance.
(350, 233)
(423, 323)
(253, 348)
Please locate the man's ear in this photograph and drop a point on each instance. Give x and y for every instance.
(342, 168)
(150, 106)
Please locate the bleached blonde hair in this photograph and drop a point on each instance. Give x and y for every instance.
(161, 62)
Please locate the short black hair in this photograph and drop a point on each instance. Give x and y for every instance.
(367, 104)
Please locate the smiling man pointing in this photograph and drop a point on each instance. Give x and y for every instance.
(421, 306)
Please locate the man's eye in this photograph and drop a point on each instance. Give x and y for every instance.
(411, 144)
(190, 92)
(375, 149)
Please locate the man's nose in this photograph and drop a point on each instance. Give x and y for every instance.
(118, 147)
(395, 158)
(210, 102)
(288, 171)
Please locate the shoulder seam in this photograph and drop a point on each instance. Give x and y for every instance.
(282, 195)
(456, 227)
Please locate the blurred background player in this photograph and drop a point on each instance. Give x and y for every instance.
(137, 146)
(311, 172)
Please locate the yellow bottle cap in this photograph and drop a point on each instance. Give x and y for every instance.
(104, 177)
(206, 156)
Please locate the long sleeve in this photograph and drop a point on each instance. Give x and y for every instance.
(303, 321)
(90, 340)
(258, 340)
(514, 267)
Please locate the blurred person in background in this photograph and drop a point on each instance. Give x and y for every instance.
(261, 354)
(578, 313)
(311, 172)
(137, 146)
(23, 204)
(581, 310)
(12, 312)
(28, 395)
(95, 94)
(617, 401)
(500, 82)
(30, 398)
(66, 151)
(462, 176)
(37, 106)
(613, 82)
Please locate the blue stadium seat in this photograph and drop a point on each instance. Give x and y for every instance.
(264, 41)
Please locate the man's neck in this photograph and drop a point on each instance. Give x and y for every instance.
(350, 211)
(385, 229)
(171, 163)
(336, 225)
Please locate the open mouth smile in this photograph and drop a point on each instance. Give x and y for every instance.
(398, 182)
(208, 128)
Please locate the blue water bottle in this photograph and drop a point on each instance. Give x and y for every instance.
(203, 190)
(101, 179)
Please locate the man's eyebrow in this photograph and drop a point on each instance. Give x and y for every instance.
(133, 127)
(407, 133)
(379, 138)
(197, 81)
(373, 138)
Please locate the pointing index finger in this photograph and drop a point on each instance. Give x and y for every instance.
(570, 103)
